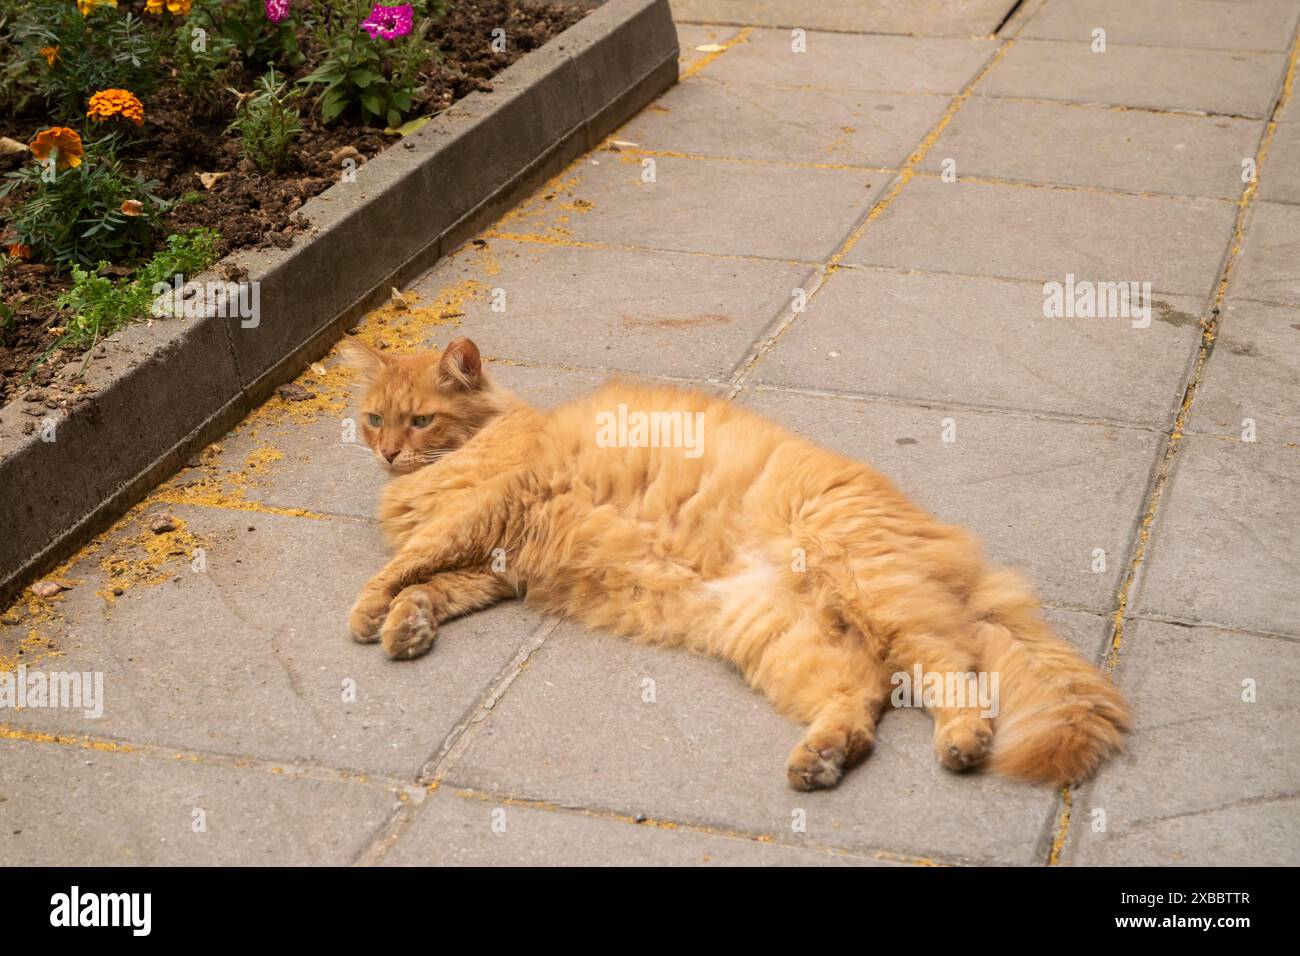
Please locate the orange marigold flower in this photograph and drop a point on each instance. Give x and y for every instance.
(109, 103)
(85, 6)
(60, 142)
(181, 7)
(51, 54)
(20, 251)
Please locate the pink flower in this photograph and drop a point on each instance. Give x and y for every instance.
(389, 22)
(277, 10)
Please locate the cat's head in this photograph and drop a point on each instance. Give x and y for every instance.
(417, 408)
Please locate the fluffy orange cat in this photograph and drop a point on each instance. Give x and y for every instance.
(810, 572)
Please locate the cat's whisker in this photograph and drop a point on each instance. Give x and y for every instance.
(428, 457)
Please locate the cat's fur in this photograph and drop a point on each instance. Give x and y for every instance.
(809, 571)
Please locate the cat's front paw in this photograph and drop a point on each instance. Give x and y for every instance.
(366, 617)
(409, 630)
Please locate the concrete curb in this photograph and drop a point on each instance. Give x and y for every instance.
(163, 391)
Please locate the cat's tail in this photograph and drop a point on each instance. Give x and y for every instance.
(1058, 717)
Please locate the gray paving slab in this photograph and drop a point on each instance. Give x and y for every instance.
(71, 806)
(711, 752)
(1125, 150)
(1266, 833)
(1253, 378)
(1213, 81)
(824, 127)
(1269, 268)
(1196, 24)
(705, 205)
(467, 829)
(1042, 494)
(251, 656)
(835, 61)
(671, 314)
(925, 17)
(978, 341)
(980, 228)
(1209, 777)
(1224, 549)
(228, 684)
(1280, 178)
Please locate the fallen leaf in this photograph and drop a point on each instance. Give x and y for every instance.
(711, 48)
(211, 179)
(409, 127)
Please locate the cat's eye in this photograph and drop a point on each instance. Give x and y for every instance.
(421, 421)
(375, 420)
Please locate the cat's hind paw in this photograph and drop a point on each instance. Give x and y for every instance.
(963, 741)
(811, 769)
(409, 630)
(820, 759)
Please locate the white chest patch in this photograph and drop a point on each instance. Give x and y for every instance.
(755, 579)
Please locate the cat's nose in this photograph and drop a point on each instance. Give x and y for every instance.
(390, 455)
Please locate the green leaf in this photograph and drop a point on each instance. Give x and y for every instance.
(363, 77)
(331, 105)
(372, 102)
(331, 71)
(409, 127)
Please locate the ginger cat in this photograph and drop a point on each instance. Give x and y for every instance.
(808, 571)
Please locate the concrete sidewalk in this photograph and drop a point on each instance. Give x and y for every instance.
(857, 240)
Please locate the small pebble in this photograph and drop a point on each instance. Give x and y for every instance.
(294, 393)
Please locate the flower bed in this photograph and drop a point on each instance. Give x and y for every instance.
(153, 137)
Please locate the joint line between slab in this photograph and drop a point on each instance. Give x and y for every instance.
(387, 835)
(289, 768)
(548, 806)
(787, 317)
(1168, 457)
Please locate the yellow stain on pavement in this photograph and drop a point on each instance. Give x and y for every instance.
(67, 740)
(542, 216)
(1062, 827)
(723, 47)
(145, 558)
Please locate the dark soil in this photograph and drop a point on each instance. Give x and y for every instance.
(251, 208)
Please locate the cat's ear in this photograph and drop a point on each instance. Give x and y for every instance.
(460, 366)
(368, 362)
